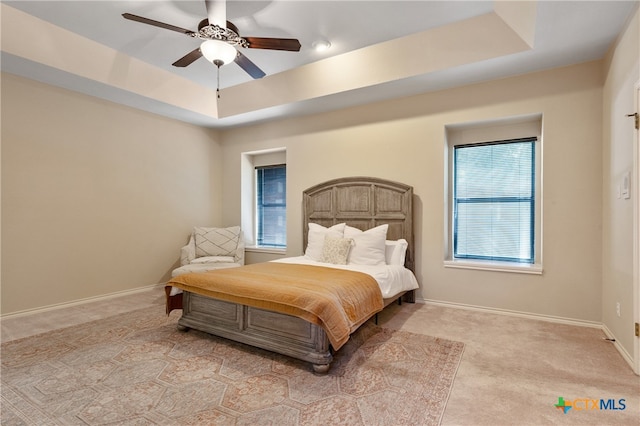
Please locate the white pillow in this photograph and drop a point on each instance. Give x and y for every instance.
(316, 236)
(395, 251)
(216, 241)
(213, 259)
(336, 250)
(368, 246)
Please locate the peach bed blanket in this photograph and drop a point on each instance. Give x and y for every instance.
(337, 300)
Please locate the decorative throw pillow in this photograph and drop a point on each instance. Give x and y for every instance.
(336, 250)
(216, 241)
(395, 251)
(368, 246)
(316, 236)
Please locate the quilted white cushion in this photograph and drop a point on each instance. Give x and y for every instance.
(216, 241)
(199, 268)
(213, 259)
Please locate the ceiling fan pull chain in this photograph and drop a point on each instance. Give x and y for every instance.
(218, 63)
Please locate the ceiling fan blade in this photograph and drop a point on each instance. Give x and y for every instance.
(290, 44)
(217, 12)
(156, 23)
(251, 68)
(188, 59)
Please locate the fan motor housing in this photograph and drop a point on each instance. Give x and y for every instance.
(214, 32)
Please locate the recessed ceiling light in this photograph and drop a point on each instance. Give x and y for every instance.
(321, 45)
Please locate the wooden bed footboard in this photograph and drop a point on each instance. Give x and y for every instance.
(273, 331)
(280, 333)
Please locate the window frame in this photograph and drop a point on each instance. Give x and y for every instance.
(491, 130)
(249, 160)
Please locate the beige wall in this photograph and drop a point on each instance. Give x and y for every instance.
(97, 198)
(619, 138)
(403, 140)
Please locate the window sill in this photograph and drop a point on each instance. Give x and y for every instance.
(535, 269)
(270, 250)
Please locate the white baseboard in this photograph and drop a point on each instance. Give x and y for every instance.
(623, 352)
(550, 318)
(81, 301)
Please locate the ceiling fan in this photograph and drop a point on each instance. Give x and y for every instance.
(220, 39)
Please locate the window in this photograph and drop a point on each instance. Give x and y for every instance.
(494, 201)
(493, 211)
(271, 206)
(263, 195)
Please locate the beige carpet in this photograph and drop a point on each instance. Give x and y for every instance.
(514, 369)
(137, 369)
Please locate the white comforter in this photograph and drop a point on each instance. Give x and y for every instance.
(392, 279)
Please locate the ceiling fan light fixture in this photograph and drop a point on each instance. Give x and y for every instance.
(321, 45)
(218, 52)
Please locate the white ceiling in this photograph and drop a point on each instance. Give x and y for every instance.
(547, 34)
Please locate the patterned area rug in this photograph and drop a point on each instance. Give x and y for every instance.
(138, 369)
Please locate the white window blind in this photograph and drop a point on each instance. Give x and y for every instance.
(494, 201)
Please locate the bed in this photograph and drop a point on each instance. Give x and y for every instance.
(270, 318)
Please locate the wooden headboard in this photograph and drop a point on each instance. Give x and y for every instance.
(364, 203)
